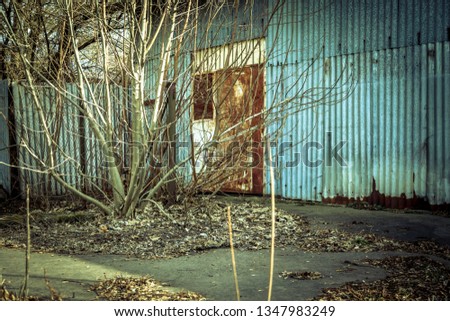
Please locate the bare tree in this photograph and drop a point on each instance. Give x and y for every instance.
(139, 101)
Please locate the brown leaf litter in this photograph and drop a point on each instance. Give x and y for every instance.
(190, 228)
(412, 278)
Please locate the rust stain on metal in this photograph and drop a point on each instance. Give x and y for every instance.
(258, 107)
(394, 202)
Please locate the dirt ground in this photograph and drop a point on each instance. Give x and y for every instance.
(209, 272)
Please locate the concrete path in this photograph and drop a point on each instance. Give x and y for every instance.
(209, 273)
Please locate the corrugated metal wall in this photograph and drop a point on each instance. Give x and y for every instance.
(32, 145)
(5, 173)
(365, 81)
(78, 151)
(392, 58)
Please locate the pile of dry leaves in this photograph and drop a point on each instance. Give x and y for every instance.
(181, 230)
(140, 289)
(177, 231)
(410, 278)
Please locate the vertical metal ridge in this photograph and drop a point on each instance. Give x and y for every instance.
(5, 174)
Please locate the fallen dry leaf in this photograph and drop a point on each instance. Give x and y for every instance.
(301, 275)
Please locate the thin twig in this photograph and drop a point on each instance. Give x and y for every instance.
(24, 290)
(272, 197)
(233, 260)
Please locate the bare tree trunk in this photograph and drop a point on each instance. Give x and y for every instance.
(171, 123)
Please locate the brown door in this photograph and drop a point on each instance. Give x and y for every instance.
(240, 100)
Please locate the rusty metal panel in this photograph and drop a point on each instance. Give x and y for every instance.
(239, 98)
(5, 173)
(232, 78)
(235, 125)
(203, 97)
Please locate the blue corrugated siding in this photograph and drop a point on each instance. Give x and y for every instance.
(396, 54)
(230, 24)
(342, 27)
